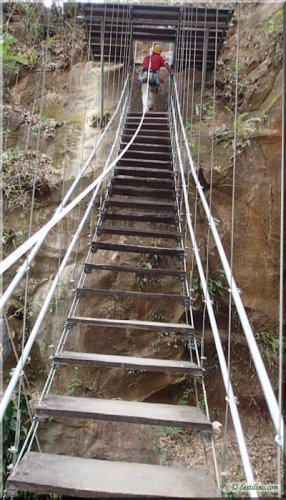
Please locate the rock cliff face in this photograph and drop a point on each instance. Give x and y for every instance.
(256, 220)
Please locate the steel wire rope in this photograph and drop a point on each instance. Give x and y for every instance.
(191, 131)
(39, 236)
(83, 138)
(106, 33)
(255, 353)
(202, 352)
(127, 43)
(182, 48)
(25, 302)
(188, 64)
(180, 72)
(199, 129)
(224, 445)
(125, 10)
(233, 406)
(190, 47)
(198, 160)
(211, 184)
(34, 332)
(56, 301)
(25, 379)
(115, 56)
(281, 400)
(75, 302)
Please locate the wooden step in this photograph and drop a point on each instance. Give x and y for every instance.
(141, 181)
(148, 155)
(127, 362)
(124, 411)
(146, 233)
(156, 271)
(89, 478)
(148, 205)
(131, 324)
(141, 193)
(184, 299)
(136, 162)
(129, 130)
(148, 146)
(144, 139)
(160, 219)
(151, 125)
(148, 119)
(148, 172)
(149, 114)
(117, 247)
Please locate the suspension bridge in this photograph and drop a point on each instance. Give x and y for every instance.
(143, 193)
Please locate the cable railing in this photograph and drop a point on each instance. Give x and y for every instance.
(175, 111)
(233, 289)
(95, 187)
(10, 260)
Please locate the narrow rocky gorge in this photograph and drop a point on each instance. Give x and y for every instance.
(67, 136)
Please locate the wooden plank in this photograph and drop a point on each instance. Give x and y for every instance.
(124, 411)
(115, 247)
(148, 155)
(160, 219)
(159, 133)
(88, 478)
(141, 193)
(151, 205)
(184, 299)
(133, 324)
(127, 362)
(140, 181)
(147, 126)
(146, 233)
(88, 267)
(149, 114)
(140, 162)
(139, 146)
(144, 172)
(147, 139)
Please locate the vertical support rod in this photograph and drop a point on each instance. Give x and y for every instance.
(205, 56)
(102, 74)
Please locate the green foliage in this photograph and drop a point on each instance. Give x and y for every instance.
(144, 282)
(34, 26)
(9, 429)
(245, 130)
(18, 309)
(201, 403)
(73, 385)
(9, 58)
(269, 344)
(194, 146)
(273, 25)
(185, 397)
(11, 236)
(216, 289)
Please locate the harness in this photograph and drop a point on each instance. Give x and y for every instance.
(154, 80)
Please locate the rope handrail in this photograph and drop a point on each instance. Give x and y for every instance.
(56, 218)
(41, 238)
(208, 301)
(233, 289)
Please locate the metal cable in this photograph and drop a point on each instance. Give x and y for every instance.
(224, 446)
(211, 187)
(225, 375)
